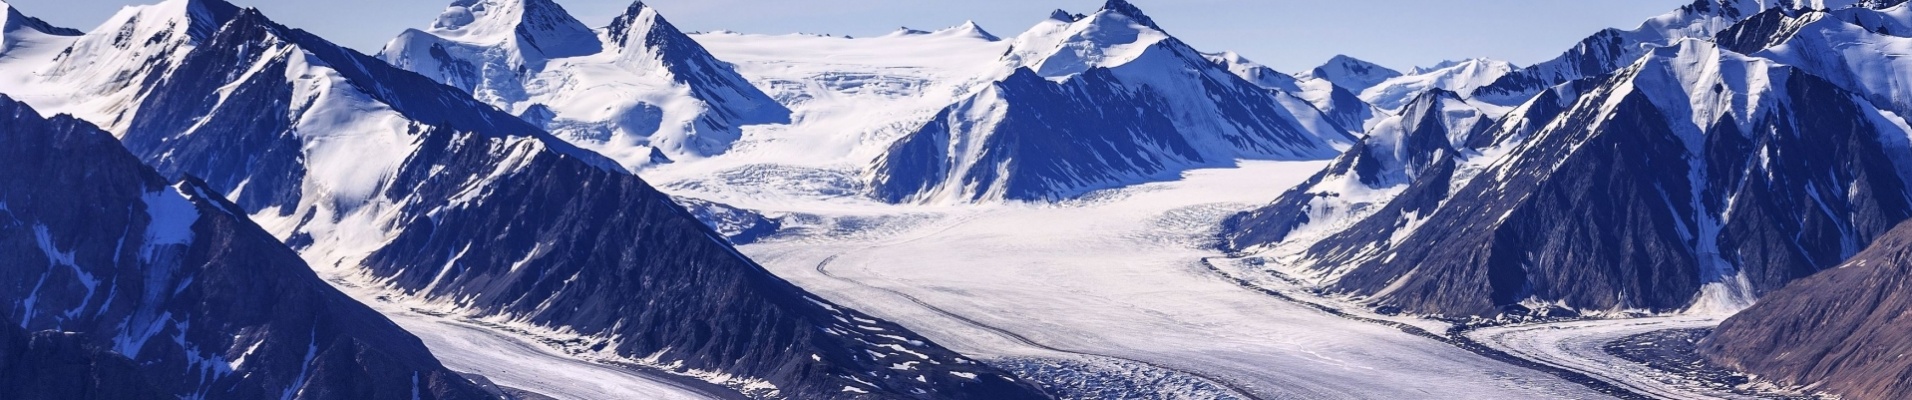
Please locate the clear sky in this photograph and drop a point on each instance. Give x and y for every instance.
(1291, 35)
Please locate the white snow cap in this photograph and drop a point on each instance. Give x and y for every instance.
(539, 28)
(1059, 47)
(1351, 73)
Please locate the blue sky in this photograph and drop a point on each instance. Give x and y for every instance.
(1290, 35)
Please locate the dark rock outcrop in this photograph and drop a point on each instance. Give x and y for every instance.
(64, 366)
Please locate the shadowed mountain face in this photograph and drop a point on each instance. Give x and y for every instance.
(1842, 331)
(204, 303)
(1696, 178)
(64, 366)
(398, 180)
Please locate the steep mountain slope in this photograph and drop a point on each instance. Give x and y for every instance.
(1840, 331)
(638, 91)
(1850, 47)
(1095, 102)
(1612, 49)
(16, 27)
(62, 366)
(1695, 179)
(206, 304)
(97, 75)
(415, 188)
(1432, 132)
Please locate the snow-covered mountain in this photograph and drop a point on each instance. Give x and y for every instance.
(203, 302)
(1092, 102)
(1453, 76)
(16, 27)
(1432, 133)
(1849, 46)
(1355, 75)
(1695, 179)
(1841, 331)
(1612, 49)
(97, 75)
(1343, 107)
(638, 91)
(396, 181)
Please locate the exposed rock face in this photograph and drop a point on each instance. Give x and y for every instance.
(1841, 331)
(205, 303)
(63, 366)
(1695, 178)
(415, 186)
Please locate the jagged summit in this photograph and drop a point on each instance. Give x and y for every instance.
(638, 16)
(1065, 16)
(636, 85)
(1612, 49)
(1129, 9)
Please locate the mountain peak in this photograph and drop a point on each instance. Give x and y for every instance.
(1125, 8)
(12, 19)
(203, 16)
(972, 28)
(637, 16)
(1353, 74)
(1064, 16)
(538, 28)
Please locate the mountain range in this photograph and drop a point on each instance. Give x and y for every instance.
(201, 202)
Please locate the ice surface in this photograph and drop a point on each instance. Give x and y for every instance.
(1118, 274)
(521, 363)
(1580, 346)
